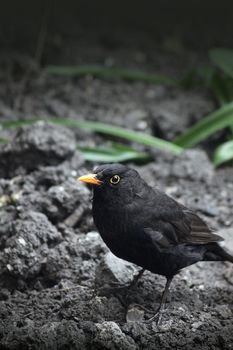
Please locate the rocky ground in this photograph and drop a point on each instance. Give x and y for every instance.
(53, 264)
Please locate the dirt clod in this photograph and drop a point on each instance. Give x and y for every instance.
(36, 145)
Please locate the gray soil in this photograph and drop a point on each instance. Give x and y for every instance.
(54, 267)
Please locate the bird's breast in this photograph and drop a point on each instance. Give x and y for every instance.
(112, 224)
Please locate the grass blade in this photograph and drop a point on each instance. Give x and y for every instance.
(110, 73)
(118, 153)
(200, 76)
(215, 121)
(14, 124)
(219, 88)
(223, 153)
(222, 87)
(123, 133)
(223, 59)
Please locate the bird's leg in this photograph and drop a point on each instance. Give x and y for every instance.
(160, 310)
(136, 278)
(132, 283)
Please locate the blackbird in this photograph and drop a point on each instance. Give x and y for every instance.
(143, 225)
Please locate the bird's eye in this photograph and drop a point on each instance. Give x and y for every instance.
(115, 179)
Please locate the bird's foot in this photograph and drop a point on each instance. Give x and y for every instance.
(118, 285)
(142, 308)
(123, 286)
(115, 286)
(157, 317)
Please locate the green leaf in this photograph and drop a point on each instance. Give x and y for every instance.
(110, 73)
(118, 153)
(200, 76)
(215, 121)
(223, 153)
(120, 132)
(223, 58)
(222, 87)
(13, 124)
(106, 129)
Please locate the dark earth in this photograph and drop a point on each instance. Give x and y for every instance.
(54, 266)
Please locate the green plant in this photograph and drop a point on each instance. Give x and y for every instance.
(217, 78)
(215, 121)
(110, 73)
(116, 153)
(223, 153)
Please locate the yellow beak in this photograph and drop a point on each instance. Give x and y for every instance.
(90, 179)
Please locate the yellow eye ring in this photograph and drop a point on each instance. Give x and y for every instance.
(115, 179)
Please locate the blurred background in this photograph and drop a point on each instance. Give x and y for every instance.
(196, 25)
(157, 67)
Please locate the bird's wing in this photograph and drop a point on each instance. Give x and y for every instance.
(181, 227)
(168, 223)
(192, 229)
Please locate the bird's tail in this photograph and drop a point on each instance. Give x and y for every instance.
(216, 253)
(227, 257)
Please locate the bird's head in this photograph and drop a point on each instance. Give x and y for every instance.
(113, 180)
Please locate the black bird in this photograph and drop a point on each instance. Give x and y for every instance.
(143, 225)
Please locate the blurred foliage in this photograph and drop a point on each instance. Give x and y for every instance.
(223, 59)
(222, 86)
(110, 73)
(206, 127)
(117, 153)
(216, 77)
(123, 133)
(223, 153)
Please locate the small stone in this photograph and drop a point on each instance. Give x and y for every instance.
(196, 325)
(9, 267)
(73, 173)
(22, 241)
(134, 314)
(4, 200)
(16, 196)
(142, 125)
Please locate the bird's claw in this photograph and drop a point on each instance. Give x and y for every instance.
(142, 307)
(119, 285)
(157, 317)
(114, 286)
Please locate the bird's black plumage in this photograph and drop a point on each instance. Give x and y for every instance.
(145, 226)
